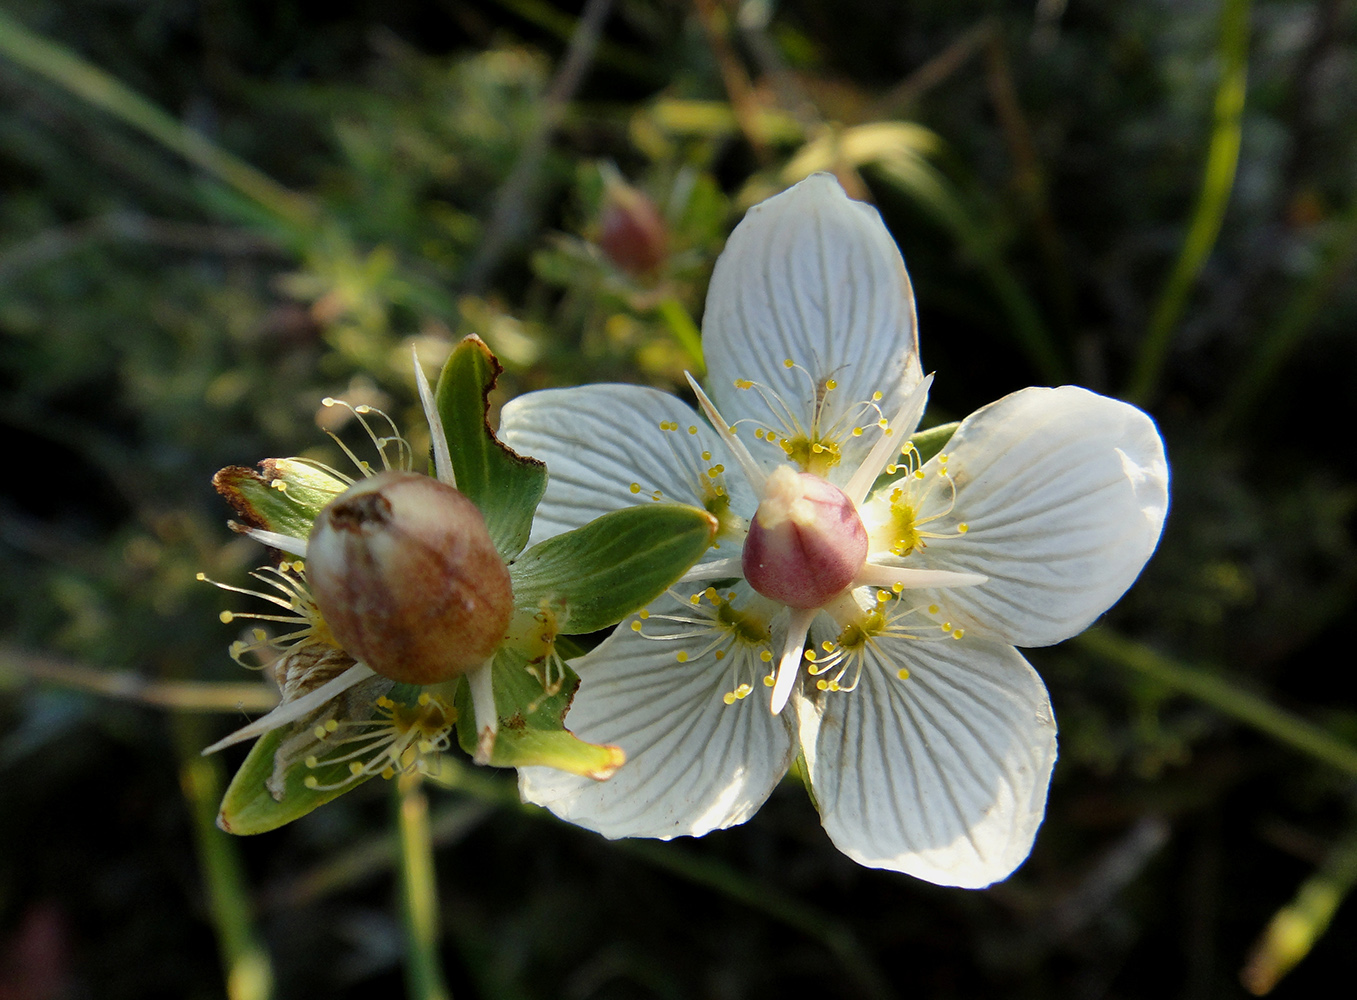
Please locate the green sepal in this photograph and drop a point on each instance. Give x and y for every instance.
(249, 808)
(506, 487)
(530, 726)
(285, 496)
(928, 443)
(618, 563)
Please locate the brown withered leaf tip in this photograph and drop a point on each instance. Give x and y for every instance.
(227, 482)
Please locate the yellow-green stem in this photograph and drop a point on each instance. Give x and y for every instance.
(1222, 160)
(685, 331)
(418, 892)
(249, 971)
(91, 84)
(1223, 696)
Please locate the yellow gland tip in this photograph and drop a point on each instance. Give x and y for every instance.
(766, 656)
(682, 656)
(769, 680)
(728, 697)
(636, 626)
(635, 487)
(962, 528)
(902, 673)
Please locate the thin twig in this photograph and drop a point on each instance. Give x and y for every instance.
(181, 696)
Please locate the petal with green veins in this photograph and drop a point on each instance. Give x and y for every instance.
(613, 446)
(942, 774)
(811, 276)
(1063, 494)
(694, 762)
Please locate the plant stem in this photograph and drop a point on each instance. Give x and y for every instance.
(91, 84)
(418, 892)
(1225, 697)
(685, 331)
(1222, 160)
(249, 972)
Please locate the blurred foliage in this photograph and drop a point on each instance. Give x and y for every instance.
(443, 169)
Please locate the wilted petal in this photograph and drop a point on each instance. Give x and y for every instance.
(812, 276)
(1064, 494)
(694, 764)
(942, 775)
(600, 440)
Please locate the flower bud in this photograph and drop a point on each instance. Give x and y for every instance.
(631, 232)
(403, 570)
(806, 542)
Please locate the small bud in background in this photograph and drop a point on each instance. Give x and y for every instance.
(806, 542)
(631, 232)
(407, 578)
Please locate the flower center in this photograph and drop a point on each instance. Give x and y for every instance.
(806, 542)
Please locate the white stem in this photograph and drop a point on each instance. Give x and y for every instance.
(487, 716)
(752, 471)
(789, 666)
(297, 708)
(296, 546)
(442, 457)
(876, 575)
(890, 442)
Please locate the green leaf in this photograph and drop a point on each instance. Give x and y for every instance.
(505, 486)
(286, 496)
(531, 727)
(249, 808)
(595, 576)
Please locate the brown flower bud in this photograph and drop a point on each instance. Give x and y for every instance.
(404, 573)
(631, 231)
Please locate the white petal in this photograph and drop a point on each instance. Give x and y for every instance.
(598, 440)
(943, 775)
(1064, 492)
(694, 764)
(816, 277)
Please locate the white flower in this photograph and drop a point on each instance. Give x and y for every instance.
(928, 739)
